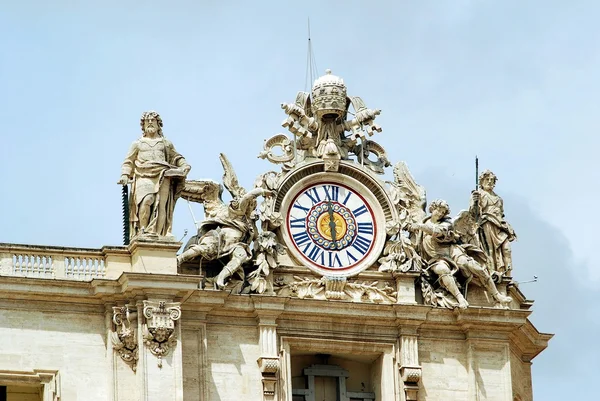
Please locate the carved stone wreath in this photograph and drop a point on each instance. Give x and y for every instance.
(329, 288)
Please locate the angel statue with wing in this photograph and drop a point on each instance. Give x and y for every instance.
(446, 254)
(399, 254)
(437, 245)
(228, 229)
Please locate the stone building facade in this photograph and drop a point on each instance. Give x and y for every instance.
(323, 282)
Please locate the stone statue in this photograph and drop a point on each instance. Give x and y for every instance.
(409, 198)
(319, 122)
(439, 245)
(494, 233)
(229, 229)
(157, 173)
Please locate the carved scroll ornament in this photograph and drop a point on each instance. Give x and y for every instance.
(159, 331)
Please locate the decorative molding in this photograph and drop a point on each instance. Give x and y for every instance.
(410, 374)
(124, 338)
(159, 331)
(269, 363)
(49, 379)
(334, 287)
(328, 288)
(285, 146)
(269, 386)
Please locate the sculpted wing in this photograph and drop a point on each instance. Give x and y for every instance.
(407, 195)
(466, 227)
(230, 180)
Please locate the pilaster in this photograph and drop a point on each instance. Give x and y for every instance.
(267, 310)
(489, 366)
(159, 370)
(410, 369)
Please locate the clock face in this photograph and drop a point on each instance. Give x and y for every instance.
(332, 227)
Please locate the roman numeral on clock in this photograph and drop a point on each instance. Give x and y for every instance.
(361, 210)
(315, 198)
(351, 257)
(332, 192)
(301, 237)
(300, 223)
(334, 259)
(316, 253)
(361, 244)
(346, 198)
(298, 206)
(365, 228)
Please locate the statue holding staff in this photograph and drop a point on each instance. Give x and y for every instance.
(157, 174)
(494, 233)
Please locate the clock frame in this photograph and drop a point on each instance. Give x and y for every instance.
(312, 203)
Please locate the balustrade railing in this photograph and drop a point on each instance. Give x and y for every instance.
(84, 268)
(29, 265)
(52, 262)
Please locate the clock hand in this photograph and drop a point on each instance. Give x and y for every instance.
(332, 224)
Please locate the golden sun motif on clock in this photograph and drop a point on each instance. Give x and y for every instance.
(324, 226)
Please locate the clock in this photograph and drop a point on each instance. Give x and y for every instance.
(333, 224)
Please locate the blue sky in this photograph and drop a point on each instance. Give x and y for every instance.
(516, 83)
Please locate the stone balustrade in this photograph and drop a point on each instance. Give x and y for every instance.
(50, 262)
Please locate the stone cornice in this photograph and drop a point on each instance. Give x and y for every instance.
(154, 245)
(99, 290)
(529, 341)
(385, 321)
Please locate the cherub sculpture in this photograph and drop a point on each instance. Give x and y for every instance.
(493, 232)
(229, 229)
(159, 340)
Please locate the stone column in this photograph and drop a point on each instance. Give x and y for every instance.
(110, 353)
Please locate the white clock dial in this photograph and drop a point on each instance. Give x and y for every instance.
(331, 226)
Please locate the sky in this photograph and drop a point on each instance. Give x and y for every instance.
(515, 83)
